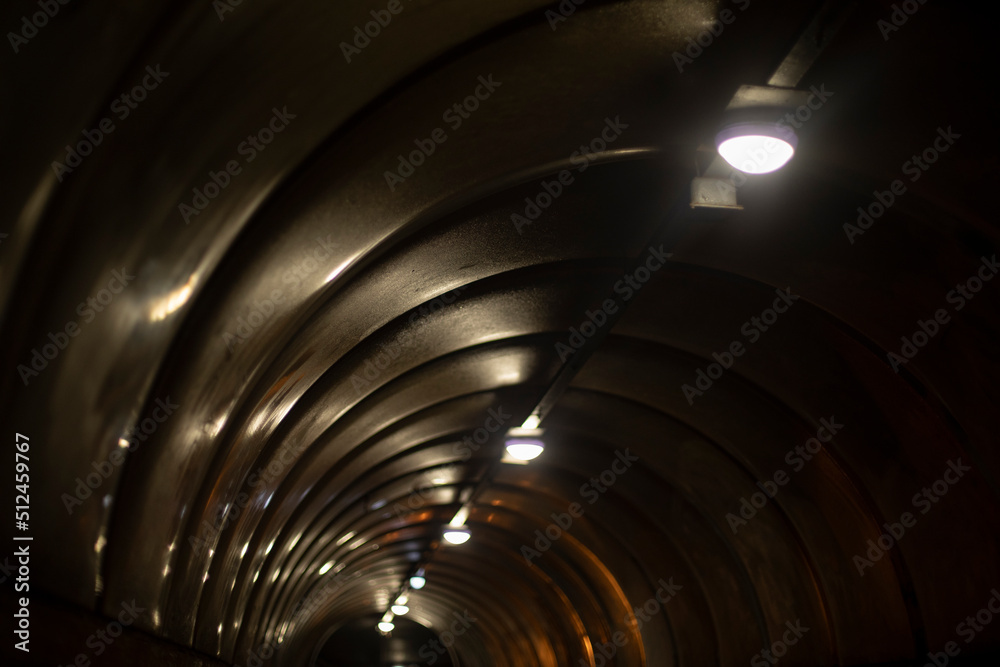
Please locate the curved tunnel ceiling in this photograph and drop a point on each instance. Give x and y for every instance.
(308, 271)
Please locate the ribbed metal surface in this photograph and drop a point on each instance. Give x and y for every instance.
(328, 335)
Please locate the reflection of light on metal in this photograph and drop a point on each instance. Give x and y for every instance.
(99, 545)
(400, 609)
(215, 428)
(460, 517)
(531, 422)
(417, 582)
(326, 567)
(269, 547)
(123, 443)
(170, 303)
(345, 537)
(336, 272)
(244, 552)
(386, 626)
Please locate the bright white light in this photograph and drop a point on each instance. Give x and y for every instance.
(524, 444)
(531, 422)
(326, 567)
(525, 450)
(417, 582)
(457, 535)
(385, 626)
(402, 599)
(400, 609)
(756, 148)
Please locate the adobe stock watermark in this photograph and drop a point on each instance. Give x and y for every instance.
(256, 657)
(566, 9)
(592, 490)
(433, 649)
(644, 613)
(37, 21)
(925, 330)
(454, 116)
(208, 533)
(923, 500)
(106, 636)
(362, 38)
(122, 107)
(249, 149)
(60, 339)
(969, 628)
(752, 329)
(901, 13)
(472, 443)
(914, 168)
(223, 7)
(130, 440)
(626, 288)
(779, 648)
(797, 459)
(695, 47)
(551, 190)
(310, 261)
(639, 616)
(390, 351)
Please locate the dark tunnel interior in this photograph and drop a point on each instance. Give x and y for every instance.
(281, 281)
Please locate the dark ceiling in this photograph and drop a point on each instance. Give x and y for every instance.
(242, 353)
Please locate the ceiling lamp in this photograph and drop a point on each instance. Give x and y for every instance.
(417, 582)
(386, 626)
(524, 444)
(399, 609)
(756, 147)
(457, 534)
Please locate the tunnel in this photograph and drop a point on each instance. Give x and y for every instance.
(422, 332)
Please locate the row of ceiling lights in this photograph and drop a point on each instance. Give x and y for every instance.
(521, 445)
(752, 147)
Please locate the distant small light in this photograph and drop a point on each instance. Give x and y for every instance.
(756, 148)
(326, 567)
(386, 626)
(417, 582)
(400, 609)
(457, 534)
